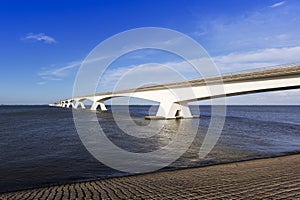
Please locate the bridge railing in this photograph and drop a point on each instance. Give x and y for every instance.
(273, 67)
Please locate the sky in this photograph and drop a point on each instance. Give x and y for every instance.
(44, 43)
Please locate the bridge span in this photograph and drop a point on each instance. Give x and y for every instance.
(174, 97)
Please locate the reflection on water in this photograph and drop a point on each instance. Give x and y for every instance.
(39, 145)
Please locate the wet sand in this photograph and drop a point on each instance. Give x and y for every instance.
(272, 178)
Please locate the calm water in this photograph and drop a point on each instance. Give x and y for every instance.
(39, 144)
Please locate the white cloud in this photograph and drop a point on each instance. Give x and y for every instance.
(254, 29)
(40, 37)
(253, 60)
(149, 73)
(58, 73)
(137, 75)
(146, 74)
(41, 83)
(257, 59)
(277, 4)
(287, 93)
(269, 54)
(232, 62)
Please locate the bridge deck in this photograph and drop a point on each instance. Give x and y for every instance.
(244, 76)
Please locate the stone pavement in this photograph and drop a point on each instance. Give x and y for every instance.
(273, 178)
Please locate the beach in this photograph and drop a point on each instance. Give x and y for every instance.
(271, 178)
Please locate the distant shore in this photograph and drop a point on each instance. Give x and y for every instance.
(277, 177)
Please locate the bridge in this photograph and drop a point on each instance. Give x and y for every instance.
(173, 98)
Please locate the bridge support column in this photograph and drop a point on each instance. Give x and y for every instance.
(185, 111)
(79, 103)
(70, 105)
(172, 111)
(96, 104)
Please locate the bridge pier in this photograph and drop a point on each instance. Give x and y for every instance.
(65, 104)
(70, 104)
(79, 103)
(96, 104)
(172, 110)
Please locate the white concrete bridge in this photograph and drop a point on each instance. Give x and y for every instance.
(174, 97)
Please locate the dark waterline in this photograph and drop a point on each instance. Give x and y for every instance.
(39, 144)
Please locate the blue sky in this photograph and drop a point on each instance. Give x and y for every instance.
(42, 44)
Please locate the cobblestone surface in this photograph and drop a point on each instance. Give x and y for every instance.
(274, 178)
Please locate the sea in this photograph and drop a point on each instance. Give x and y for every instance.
(40, 146)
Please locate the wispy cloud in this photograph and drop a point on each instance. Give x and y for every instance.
(134, 75)
(287, 93)
(252, 60)
(277, 4)
(58, 74)
(232, 62)
(257, 59)
(41, 83)
(273, 28)
(269, 54)
(41, 37)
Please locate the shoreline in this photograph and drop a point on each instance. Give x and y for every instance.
(266, 167)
